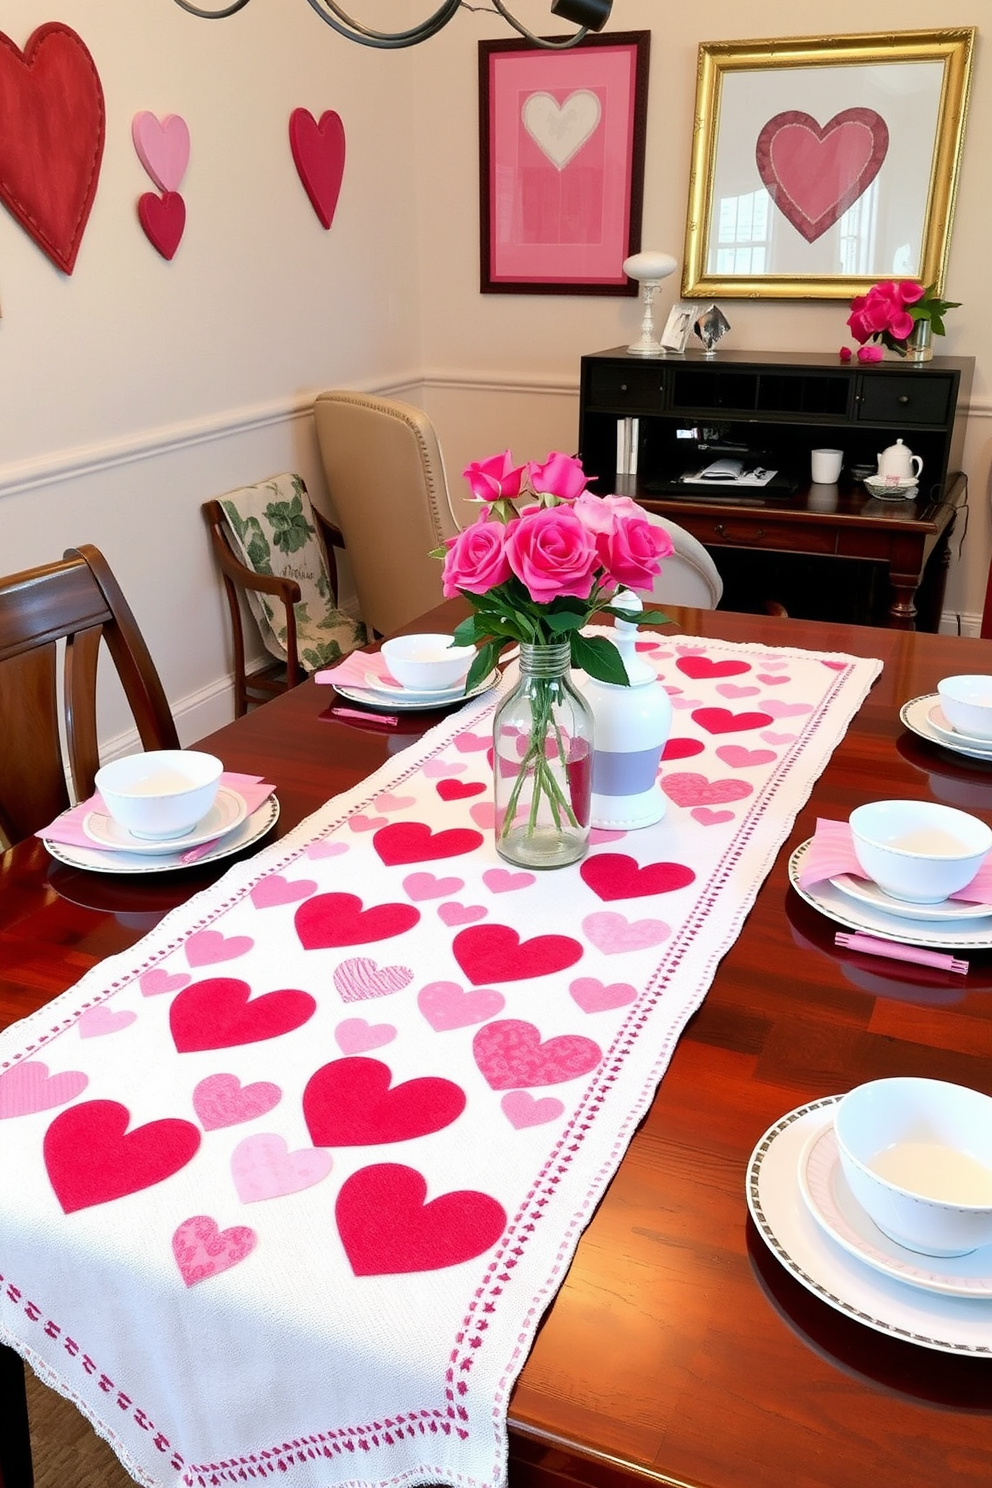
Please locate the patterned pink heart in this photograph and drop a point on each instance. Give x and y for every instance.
(786, 710)
(613, 933)
(770, 737)
(468, 743)
(770, 681)
(708, 818)
(386, 801)
(361, 978)
(427, 886)
(162, 148)
(511, 1052)
(154, 983)
(202, 1249)
(274, 889)
(732, 690)
(446, 1006)
(438, 769)
(362, 823)
(326, 849)
(263, 1168)
(356, 1036)
(222, 1100)
(503, 881)
(814, 173)
(688, 789)
(523, 1109)
(26, 1088)
(594, 996)
(96, 1022)
(461, 914)
(739, 758)
(207, 947)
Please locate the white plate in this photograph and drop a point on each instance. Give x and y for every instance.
(866, 892)
(410, 702)
(836, 1210)
(227, 812)
(100, 860)
(899, 490)
(953, 1325)
(951, 735)
(916, 716)
(973, 935)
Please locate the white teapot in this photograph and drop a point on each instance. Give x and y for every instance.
(898, 463)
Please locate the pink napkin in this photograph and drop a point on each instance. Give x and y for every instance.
(355, 668)
(68, 828)
(831, 853)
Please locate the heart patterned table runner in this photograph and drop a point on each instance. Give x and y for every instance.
(286, 1187)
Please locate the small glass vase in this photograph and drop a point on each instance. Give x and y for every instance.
(542, 764)
(919, 342)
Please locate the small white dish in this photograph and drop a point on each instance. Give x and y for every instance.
(966, 700)
(866, 892)
(895, 490)
(942, 726)
(922, 851)
(428, 662)
(227, 812)
(100, 860)
(160, 794)
(915, 715)
(834, 1207)
(397, 702)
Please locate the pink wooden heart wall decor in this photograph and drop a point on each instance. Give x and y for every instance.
(814, 174)
(163, 149)
(319, 152)
(52, 127)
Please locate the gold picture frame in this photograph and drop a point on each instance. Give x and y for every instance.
(805, 181)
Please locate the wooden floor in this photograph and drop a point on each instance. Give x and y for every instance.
(67, 1451)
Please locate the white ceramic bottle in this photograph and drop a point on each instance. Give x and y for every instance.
(631, 728)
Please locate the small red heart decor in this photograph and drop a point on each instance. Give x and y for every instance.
(617, 876)
(52, 124)
(348, 1103)
(698, 667)
(414, 842)
(495, 953)
(163, 220)
(387, 1228)
(722, 721)
(814, 174)
(318, 151)
(217, 1014)
(329, 920)
(92, 1158)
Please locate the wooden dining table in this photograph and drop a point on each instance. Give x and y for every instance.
(678, 1350)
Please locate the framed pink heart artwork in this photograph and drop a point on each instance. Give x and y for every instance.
(821, 165)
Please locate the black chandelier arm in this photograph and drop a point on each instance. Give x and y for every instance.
(212, 15)
(346, 26)
(541, 41)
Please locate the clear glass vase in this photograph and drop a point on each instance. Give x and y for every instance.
(542, 764)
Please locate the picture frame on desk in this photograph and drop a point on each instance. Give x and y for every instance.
(677, 327)
(821, 165)
(561, 179)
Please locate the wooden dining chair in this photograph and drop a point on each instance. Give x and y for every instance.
(79, 602)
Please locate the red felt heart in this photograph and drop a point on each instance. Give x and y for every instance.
(510, 1054)
(682, 748)
(722, 721)
(339, 920)
(163, 219)
(814, 174)
(348, 1103)
(495, 953)
(414, 842)
(698, 667)
(319, 151)
(52, 123)
(459, 790)
(386, 1227)
(216, 1014)
(617, 876)
(92, 1158)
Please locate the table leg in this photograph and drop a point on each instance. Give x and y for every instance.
(902, 610)
(15, 1441)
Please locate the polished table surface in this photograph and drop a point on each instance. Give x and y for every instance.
(677, 1351)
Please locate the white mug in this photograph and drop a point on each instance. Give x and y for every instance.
(899, 463)
(826, 466)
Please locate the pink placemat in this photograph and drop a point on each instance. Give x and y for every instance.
(286, 1188)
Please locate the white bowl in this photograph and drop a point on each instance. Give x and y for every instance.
(917, 1156)
(967, 704)
(427, 663)
(919, 851)
(162, 793)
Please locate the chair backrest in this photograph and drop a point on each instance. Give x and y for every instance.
(688, 576)
(77, 601)
(385, 477)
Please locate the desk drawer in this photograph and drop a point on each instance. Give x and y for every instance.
(627, 389)
(902, 399)
(757, 532)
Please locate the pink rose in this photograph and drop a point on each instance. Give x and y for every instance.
(552, 553)
(628, 545)
(476, 559)
(870, 354)
(495, 478)
(909, 292)
(845, 353)
(560, 475)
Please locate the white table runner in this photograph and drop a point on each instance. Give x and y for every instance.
(285, 1189)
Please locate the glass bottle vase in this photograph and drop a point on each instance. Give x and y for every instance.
(542, 763)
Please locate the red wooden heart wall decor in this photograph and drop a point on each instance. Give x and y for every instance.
(318, 150)
(52, 125)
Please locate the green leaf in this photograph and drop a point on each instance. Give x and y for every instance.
(485, 659)
(563, 623)
(600, 658)
(654, 617)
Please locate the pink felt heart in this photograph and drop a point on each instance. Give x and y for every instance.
(92, 1158)
(495, 953)
(326, 849)
(263, 1167)
(461, 914)
(98, 1021)
(427, 886)
(722, 721)
(734, 690)
(274, 889)
(207, 947)
(387, 1228)
(483, 813)
(511, 1052)
(503, 881)
(217, 1014)
(814, 174)
(162, 148)
(683, 703)
(361, 978)
(617, 876)
(362, 823)
(599, 835)
(708, 818)
(446, 1006)
(163, 220)
(613, 933)
(349, 1103)
(438, 769)
(773, 679)
(698, 667)
(780, 709)
(28, 1087)
(356, 1036)
(771, 737)
(468, 743)
(594, 996)
(739, 758)
(386, 801)
(222, 1100)
(319, 153)
(522, 1109)
(330, 920)
(202, 1249)
(154, 983)
(682, 748)
(688, 789)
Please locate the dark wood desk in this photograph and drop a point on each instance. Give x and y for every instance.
(677, 1351)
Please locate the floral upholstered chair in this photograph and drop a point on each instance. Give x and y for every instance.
(274, 547)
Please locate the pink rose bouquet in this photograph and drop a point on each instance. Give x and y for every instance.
(888, 314)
